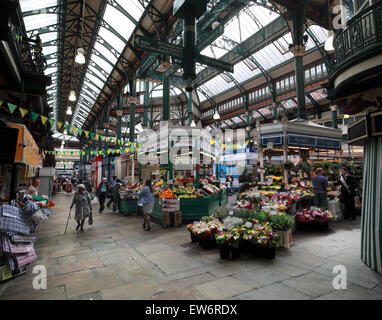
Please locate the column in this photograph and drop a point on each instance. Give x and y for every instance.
(189, 108)
(259, 150)
(298, 51)
(334, 110)
(166, 98)
(119, 115)
(132, 101)
(146, 105)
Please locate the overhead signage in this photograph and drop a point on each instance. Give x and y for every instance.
(215, 63)
(161, 47)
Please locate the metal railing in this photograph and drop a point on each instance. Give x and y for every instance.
(362, 32)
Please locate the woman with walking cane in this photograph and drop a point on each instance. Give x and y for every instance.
(83, 207)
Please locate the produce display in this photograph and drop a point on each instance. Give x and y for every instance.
(188, 192)
(167, 194)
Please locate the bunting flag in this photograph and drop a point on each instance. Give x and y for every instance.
(34, 116)
(1, 103)
(59, 124)
(67, 127)
(119, 141)
(11, 107)
(212, 142)
(122, 142)
(107, 139)
(51, 121)
(86, 133)
(80, 131)
(97, 136)
(99, 152)
(108, 151)
(118, 150)
(74, 129)
(23, 112)
(104, 151)
(46, 152)
(102, 138)
(91, 135)
(83, 153)
(43, 119)
(112, 151)
(122, 150)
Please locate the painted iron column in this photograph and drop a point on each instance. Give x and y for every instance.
(334, 110)
(189, 108)
(146, 105)
(119, 115)
(166, 98)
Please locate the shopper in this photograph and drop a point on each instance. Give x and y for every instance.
(115, 195)
(320, 184)
(146, 198)
(348, 184)
(112, 183)
(102, 189)
(88, 186)
(83, 206)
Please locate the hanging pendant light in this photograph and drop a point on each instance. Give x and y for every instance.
(72, 96)
(193, 124)
(69, 111)
(80, 57)
(216, 116)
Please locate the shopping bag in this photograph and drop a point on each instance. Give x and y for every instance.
(91, 196)
(94, 201)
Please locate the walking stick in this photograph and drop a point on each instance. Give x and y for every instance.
(70, 211)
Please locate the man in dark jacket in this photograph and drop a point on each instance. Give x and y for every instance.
(115, 190)
(348, 184)
(112, 183)
(102, 189)
(88, 186)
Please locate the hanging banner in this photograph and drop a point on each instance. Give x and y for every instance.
(11, 107)
(23, 112)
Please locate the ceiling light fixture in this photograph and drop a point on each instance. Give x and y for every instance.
(72, 96)
(216, 116)
(69, 111)
(193, 124)
(80, 58)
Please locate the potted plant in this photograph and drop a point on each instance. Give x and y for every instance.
(282, 224)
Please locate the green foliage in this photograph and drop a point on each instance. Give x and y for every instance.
(273, 170)
(281, 222)
(246, 214)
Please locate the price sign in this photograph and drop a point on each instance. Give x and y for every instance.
(230, 213)
(6, 273)
(270, 145)
(270, 180)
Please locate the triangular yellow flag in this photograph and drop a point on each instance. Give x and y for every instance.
(1, 102)
(107, 139)
(212, 141)
(97, 136)
(59, 124)
(43, 119)
(74, 129)
(23, 112)
(83, 153)
(108, 151)
(117, 150)
(86, 133)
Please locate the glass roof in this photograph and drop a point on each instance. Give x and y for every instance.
(112, 39)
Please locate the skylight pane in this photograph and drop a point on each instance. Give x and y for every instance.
(49, 50)
(133, 7)
(29, 5)
(49, 36)
(116, 19)
(39, 20)
(97, 72)
(101, 63)
(112, 39)
(105, 52)
(96, 81)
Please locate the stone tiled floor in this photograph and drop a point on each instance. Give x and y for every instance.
(116, 259)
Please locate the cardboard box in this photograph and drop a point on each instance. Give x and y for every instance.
(285, 238)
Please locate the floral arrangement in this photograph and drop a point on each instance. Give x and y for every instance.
(309, 215)
(205, 229)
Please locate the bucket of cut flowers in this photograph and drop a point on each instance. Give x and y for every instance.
(194, 238)
(222, 241)
(205, 232)
(266, 241)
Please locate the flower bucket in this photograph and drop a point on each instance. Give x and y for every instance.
(246, 246)
(206, 243)
(194, 238)
(224, 250)
(236, 252)
(269, 252)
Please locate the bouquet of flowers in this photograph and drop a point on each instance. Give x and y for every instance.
(205, 229)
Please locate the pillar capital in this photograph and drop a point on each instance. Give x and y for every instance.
(334, 108)
(119, 113)
(298, 50)
(132, 100)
